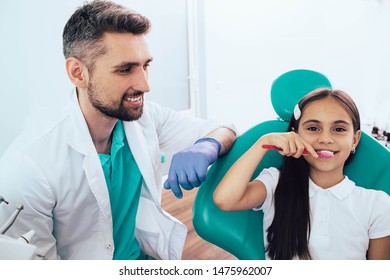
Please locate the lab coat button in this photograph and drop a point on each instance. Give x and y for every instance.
(109, 247)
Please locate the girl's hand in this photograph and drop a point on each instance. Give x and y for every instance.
(290, 143)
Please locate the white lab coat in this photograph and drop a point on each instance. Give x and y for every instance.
(53, 169)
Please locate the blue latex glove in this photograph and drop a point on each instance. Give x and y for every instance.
(189, 167)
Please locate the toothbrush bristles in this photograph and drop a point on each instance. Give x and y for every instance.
(325, 154)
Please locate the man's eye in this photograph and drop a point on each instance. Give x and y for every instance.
(125, 70)
(146, 66)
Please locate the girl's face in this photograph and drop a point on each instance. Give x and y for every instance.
(326, 125)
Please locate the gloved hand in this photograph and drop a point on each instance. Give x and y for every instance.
(188, 167)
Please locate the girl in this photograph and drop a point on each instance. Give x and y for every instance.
(311, 209)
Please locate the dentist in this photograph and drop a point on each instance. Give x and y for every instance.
(89, 176)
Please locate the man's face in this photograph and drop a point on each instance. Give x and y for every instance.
(120, 77)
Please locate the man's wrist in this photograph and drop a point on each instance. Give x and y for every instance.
(211, 140)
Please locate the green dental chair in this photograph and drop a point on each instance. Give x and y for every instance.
(241, 233)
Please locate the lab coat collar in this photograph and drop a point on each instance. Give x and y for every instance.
(340, 190)
(79, 139)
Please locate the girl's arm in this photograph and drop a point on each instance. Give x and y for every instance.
(235, 192)
(379, 249)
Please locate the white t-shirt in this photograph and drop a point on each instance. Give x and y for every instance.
(343, 217)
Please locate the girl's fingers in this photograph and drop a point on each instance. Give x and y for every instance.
(310, 149)
(285, 150)
(292, 147)
(291, 144)
(300, 148)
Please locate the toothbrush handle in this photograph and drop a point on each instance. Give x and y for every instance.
(275, 148)
(271, 147)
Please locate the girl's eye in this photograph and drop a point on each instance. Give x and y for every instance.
(312, 128)
(340, 129)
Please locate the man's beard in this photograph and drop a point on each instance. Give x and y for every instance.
(120, 112)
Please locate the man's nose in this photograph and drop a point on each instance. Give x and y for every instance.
(141, 81)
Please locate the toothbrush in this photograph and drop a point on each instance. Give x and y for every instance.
(321, 154)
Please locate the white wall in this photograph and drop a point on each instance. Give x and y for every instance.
(32, 66)
(168, 44)
(248, 43)
(244, 46)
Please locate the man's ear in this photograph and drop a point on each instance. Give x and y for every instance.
(77, 72)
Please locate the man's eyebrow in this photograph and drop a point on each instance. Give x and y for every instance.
(127, 64)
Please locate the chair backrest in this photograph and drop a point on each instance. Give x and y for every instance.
(241, 233)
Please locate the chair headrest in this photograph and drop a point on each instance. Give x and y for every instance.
(290, 87)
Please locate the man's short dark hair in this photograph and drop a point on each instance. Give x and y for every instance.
(84, 31)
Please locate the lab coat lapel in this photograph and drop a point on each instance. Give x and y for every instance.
(81, 141)
(137, 144)
(97, 182)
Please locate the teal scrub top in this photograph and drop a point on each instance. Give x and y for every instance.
(124, 183)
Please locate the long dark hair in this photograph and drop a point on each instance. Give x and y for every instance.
(289, 232)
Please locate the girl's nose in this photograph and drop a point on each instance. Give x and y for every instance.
(326, 138)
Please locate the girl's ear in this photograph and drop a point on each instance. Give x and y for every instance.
(356, 139)
(77, 72)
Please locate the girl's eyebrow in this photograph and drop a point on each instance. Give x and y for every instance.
(335, 122)
(342, 122)
(311, 121)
